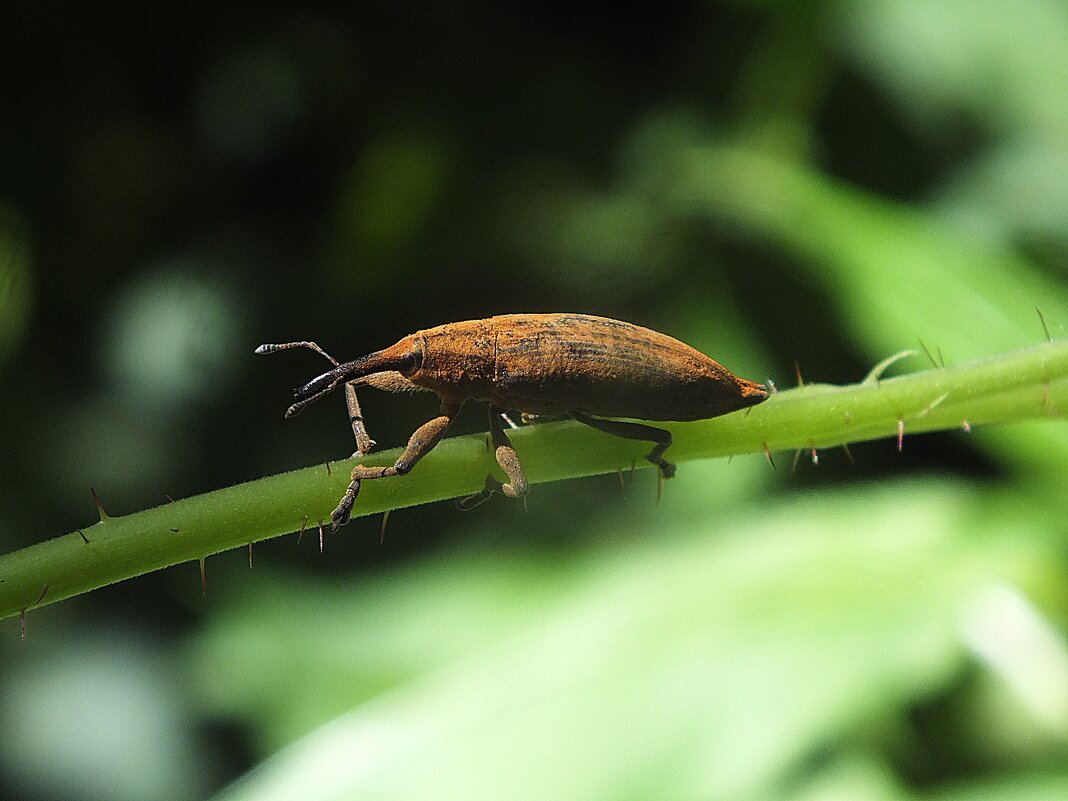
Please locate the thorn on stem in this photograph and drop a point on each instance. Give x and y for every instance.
(320, 535)
(326, 461)
(796, 461)
(44, 592)
(22, 625)
(81, 534)
(382, 528)
(797, 372)
(1045, 328)
(900, 434)
(849, 454)
(250, 556)
(929, 355)
(767, 452)
(203, 577)
(303, 525)
(930, 407)
(99, 506)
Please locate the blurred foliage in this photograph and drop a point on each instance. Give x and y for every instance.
(772, 182)
(14, 284)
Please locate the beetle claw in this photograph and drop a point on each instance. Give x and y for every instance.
(480, 497)
(341, 515)
(338, 518)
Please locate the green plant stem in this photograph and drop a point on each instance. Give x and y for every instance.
(1024, 384)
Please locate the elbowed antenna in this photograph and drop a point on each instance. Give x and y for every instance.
(269, 348)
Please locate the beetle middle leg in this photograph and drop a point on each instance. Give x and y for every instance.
(509, 462)
(419, 445)
(640, 431)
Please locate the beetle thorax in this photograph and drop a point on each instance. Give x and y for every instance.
(457, 360)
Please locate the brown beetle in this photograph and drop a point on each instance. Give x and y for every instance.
(570, 365)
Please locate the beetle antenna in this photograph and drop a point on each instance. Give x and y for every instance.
(268, 348)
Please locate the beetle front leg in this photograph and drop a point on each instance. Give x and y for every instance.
(638, 431)
(419, 445)
(364, 443)
(509, 462)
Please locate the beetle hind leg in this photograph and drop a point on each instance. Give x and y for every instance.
(639, 431)
(509, 463)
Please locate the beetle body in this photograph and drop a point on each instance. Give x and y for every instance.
(554, 364)
(543, 364)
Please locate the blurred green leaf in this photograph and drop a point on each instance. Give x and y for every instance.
(103, 720)
(15, 291)
(1003, 62)
(384, 202)
(708, 662)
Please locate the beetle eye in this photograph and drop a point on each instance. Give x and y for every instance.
(413, 361)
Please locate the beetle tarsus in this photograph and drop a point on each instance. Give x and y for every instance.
(638, 431)
(478, 498)
(341, 515)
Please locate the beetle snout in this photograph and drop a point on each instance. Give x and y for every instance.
(315, 386)
(313, 390)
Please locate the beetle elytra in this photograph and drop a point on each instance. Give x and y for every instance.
(561, 365)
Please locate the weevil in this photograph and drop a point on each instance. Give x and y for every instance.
(557, 365)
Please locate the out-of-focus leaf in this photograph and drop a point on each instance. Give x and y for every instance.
(384, 202)
(706, 665)
(1019, 191)
(1028, 787)
(99, 718)
(1003, 62)
(15, 295)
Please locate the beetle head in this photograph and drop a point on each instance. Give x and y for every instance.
(394, 359)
